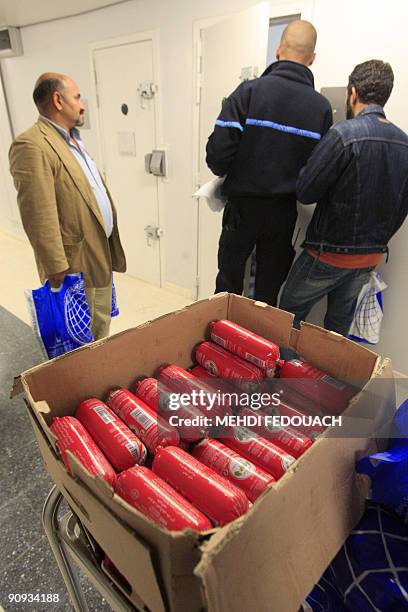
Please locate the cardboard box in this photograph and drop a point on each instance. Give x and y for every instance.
(270, 558)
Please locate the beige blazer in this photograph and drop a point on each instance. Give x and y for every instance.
(59, 211)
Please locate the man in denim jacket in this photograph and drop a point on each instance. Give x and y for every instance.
(358, 175)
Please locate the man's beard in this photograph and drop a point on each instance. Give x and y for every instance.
(80, 121)
(349, 110)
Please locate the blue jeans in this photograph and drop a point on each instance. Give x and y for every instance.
(310, 280)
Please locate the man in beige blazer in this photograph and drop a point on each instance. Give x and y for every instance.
(66, 209)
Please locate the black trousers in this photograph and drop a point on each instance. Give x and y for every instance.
(266, 224)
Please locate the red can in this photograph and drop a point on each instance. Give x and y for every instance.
(72, 436)
(202, 373)
(158, 395)
(118, 443)
(287, 438)
(149, 391)
(152, 496)
(263, 452)
(244, 343)
(306, 423)
(152, 430)
(247, 476)
(219, 499)
(225, 365)
(330, 394)
(216, 385)
(203, 395)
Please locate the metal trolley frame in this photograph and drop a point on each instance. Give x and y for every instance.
(72, 545)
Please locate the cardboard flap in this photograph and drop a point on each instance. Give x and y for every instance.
(335, 354)
(17, 387)
(271, 323)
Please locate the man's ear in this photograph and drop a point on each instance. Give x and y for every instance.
(312, 59)
(56, 100)
(353, 96)
(277, 53)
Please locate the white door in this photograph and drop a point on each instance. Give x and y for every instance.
(125, 87)
(231, 50)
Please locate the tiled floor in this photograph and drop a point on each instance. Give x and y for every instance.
(26, 561)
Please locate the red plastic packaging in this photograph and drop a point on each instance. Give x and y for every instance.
(151, 495)
(226, 365)
(287, 438)
(292, 411)
(219, 499)
(216, 385)
(148, 391)
(118, 443)
(246, 344)
(156, 394)
(263, 452)
(183, 381)
(72, 436)
(331, 394)
(152, 430)
(247, 476)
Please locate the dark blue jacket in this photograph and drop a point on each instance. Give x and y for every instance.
(266, 131)
(358, 175)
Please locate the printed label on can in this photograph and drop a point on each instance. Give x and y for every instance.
(241, 468)
(333, 382)
(145, 420)
(286, 461)
(103, 414)
(242, 434)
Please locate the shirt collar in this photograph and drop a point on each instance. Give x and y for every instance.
(74, 132)
(372, 108)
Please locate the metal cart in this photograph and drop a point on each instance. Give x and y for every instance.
(72, 545)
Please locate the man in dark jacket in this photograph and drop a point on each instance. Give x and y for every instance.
(266, 131)
(358, 175)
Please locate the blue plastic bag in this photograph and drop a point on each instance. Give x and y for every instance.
(388, 471)
(370, 573)
(61, 317)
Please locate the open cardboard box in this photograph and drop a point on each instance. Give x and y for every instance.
(268, 559)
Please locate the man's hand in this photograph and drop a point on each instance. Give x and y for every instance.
(56, 280)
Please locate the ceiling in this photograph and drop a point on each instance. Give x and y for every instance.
(28, 12)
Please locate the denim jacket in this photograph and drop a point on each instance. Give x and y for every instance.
(358, 175)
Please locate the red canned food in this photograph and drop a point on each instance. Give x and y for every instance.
(118, 443)
(72, 436)
(303, 420)
(330, 394)
(219, 499)
(246, 344)
(263, 452)
(152, 496)
(247, 476)
(227, 393)
(226, 365)
(148, 390)
(287, 438)
(201, 373)
(161, 397)
(202, 395)
(152, 430)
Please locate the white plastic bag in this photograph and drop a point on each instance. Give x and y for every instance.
(211, 191)
(368, 315)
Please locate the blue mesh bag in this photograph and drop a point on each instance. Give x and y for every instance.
(61, 317)
(370, 573)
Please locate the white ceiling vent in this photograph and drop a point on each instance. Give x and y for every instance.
(10, 42)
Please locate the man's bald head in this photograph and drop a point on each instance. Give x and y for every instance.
(298, 43)
(45, 86)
